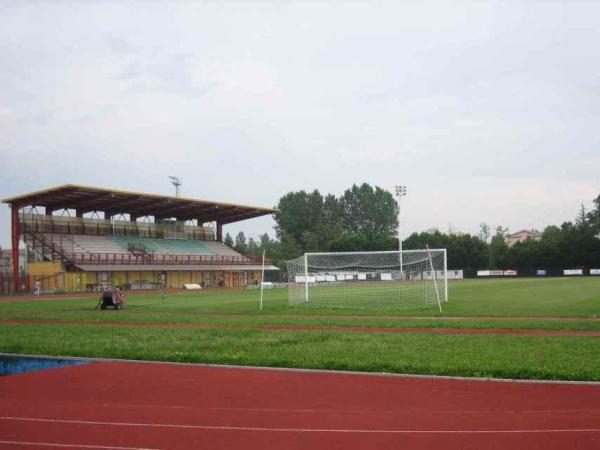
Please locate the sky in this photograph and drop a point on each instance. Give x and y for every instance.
(486, 111)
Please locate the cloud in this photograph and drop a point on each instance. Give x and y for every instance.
(482, 109)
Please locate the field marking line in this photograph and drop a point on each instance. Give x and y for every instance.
(300, 430)
(53, 444)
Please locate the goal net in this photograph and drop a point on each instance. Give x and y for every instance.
(393, 280)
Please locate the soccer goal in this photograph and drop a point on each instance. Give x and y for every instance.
(394, 280)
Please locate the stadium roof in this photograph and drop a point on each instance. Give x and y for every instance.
(112, 201)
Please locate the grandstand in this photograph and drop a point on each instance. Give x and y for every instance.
(85, 238)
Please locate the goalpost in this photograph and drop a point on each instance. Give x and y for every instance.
(394, 280)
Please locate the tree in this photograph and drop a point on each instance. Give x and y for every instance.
(279, 251)
(501, 232)
(369, 211)
(498, 248)
(464, 250)
(299, 217)
(484, 232)
(582, 220)
(265, 241)
(228, 241)
(330, 227)
(363, 218)
(594, 218)
(252, 248)
(240, 243)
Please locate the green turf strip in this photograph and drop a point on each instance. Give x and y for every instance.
(528, 297)
(560, 358)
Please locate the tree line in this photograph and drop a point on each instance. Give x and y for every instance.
(364, 218)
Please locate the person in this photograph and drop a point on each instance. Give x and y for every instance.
(119, 297)
(37, 289)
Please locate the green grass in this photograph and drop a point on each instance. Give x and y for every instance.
(567, 358)
(484, 304)
(526, 297)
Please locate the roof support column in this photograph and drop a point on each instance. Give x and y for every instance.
(15, 245)
(219, 231)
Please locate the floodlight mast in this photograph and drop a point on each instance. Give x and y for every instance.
(400, 192)
(176, 181)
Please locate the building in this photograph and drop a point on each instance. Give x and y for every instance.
(82, 238)
(521, 236)
(6, 264)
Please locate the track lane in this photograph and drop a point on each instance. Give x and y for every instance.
(177, 406)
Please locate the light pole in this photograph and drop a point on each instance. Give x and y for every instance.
(176, 181)
(400, 192)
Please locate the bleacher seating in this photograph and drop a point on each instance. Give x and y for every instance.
(139, 242)
(76, 236)
(218, 248)
(79, 243)
(166, 246)
(83, 244)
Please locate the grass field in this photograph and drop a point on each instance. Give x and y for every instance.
(226, 327)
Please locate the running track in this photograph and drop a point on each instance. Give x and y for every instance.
(126, 405)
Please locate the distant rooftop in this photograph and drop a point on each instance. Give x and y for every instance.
(524, 232)
(112, 201)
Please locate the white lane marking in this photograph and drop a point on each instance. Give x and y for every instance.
(52, 444)
(300, 430)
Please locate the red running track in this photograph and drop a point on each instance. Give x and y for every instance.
(126, 405)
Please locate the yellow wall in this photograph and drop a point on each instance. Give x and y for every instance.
(173, 280)
(119, 278)
(49, 274)
(53, 278)
(44, 268)
(176, 279)
(75, 281)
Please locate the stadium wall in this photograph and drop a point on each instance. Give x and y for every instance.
(54, 278)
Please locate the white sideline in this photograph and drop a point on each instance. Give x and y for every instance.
(53, 444)
(299, 430)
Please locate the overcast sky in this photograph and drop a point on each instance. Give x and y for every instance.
(487, 111)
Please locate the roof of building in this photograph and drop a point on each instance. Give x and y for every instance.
(113, 201)
(521, 232)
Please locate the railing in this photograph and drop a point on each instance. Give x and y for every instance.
(49, 244)
(129, 259)
(74, 225)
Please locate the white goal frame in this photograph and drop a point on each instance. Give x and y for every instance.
(405, 280)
